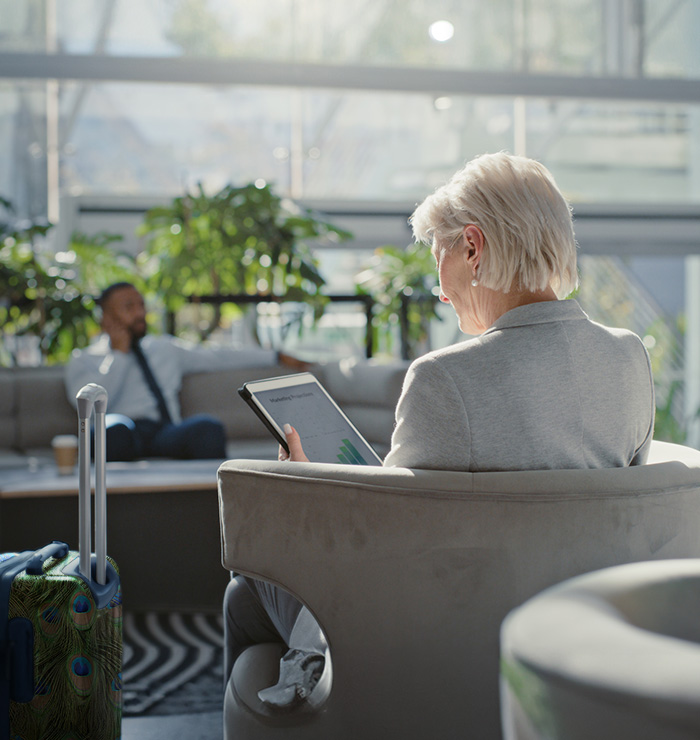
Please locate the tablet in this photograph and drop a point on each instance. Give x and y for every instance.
(327, 434)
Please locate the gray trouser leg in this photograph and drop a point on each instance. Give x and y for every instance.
(307, 634)
(257, 612)
(280, 606)
(246, 623)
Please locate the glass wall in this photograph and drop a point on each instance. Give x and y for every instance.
(154, 140)
(23, 170)
(142, 138)
(364, 105)
(653, 38)
(624, 152)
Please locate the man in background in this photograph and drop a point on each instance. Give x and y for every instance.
(142, 376)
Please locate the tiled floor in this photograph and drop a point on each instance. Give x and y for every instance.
(207, 726)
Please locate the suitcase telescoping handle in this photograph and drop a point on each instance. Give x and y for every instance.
(89, 397)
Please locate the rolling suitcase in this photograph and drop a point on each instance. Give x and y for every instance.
(61, 619)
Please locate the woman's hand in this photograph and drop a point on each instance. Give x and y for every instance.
(296, 452)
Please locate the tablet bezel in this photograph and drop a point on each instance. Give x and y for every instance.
(284, 382)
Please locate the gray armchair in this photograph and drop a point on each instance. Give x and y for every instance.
(610, 655)
(411, 572)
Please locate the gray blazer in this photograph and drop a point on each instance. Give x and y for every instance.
(543, 388)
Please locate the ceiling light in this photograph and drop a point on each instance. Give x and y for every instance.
(442, 103)
(441, 31)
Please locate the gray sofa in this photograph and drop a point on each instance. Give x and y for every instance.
(157, 509)
(34, 407)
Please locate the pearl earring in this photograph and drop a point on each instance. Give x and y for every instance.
(475, 282)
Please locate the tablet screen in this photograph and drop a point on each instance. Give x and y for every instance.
(327, 435)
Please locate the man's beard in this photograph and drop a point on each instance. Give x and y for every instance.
(138, 329)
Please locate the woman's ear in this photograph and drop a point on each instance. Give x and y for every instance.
(474, 245)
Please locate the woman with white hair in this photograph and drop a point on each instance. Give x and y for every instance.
(540, 386)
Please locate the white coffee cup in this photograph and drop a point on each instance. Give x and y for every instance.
(65, 451)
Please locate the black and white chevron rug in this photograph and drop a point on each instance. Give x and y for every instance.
(172, 663)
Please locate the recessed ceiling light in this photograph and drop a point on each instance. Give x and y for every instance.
(441, 31)
(442, 103)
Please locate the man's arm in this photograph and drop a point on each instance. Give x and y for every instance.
(107, 369)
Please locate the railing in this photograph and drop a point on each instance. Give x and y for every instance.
(243, 299)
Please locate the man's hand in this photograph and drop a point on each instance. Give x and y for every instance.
(296, 453)
(120, 336)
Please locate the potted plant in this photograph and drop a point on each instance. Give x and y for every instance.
(403, 286)
(47, 298)
(239, 242)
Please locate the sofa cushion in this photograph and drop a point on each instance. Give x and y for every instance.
(216, 393)
(364, 382)
(368, 392)
(43, 408)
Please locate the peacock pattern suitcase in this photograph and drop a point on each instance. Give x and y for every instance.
(61, 625)
(77, 655)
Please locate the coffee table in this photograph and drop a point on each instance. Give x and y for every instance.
(39, 478)
(162, 526)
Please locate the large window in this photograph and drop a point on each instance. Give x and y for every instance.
(359, 100)
(654, 38)
(153, 140)
(362, 108)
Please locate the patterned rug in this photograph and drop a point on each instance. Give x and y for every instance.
(172, 663)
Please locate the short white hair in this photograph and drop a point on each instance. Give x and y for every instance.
(525, 219)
